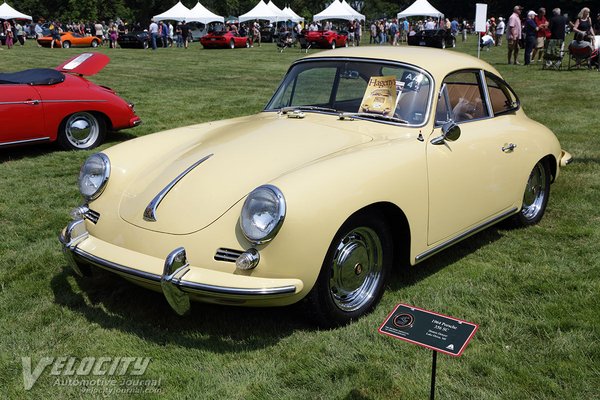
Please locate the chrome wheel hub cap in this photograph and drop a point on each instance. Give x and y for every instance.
(356, 269)
(82, 129)
(534, 196)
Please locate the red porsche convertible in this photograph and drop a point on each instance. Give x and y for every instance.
(324, 39)
(227, 40)
(47, 105)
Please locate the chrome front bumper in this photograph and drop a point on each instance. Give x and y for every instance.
(174, 287)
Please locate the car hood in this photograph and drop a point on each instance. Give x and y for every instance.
(85, 64)
(236, 156)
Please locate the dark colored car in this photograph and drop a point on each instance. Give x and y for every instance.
(440, 38)
(136, 40)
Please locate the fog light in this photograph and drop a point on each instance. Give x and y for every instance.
(248, 260)
(79, 212)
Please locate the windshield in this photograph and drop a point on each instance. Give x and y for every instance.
(366, 87)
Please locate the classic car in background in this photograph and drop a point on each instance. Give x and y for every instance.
(323, 39)
(47, 105)
(136, 40)
(312, 199)
(440, 38)
(224, 40)
(70, 39)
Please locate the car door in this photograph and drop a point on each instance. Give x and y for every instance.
(21, 114)
(471, 179)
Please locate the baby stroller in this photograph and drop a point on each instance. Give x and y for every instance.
(284, 41)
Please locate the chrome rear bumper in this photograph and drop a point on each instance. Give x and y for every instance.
(174, 287)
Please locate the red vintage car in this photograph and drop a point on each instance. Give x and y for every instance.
(222, 39)
(323, 39)
(47, 105)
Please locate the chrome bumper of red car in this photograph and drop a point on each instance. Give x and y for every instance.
(175, 289)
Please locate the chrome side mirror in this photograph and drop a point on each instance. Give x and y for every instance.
(450, 132)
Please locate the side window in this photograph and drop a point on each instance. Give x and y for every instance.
(502, 98)
(464, 95)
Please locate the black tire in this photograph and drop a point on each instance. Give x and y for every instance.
(232, 44)
(145, 45)
(535, 196)
(247, 43)
(453, 43)
(354, 272)
(81, 131)
(333, 44)
(443, 46)
(66, 44)
(94, 43)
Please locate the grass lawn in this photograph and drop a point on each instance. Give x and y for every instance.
(534, 292)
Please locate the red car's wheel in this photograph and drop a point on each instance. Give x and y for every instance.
(81, 131)
(333, 44)
(232, 44)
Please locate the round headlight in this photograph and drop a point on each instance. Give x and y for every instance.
(262, 214)
(93, 176)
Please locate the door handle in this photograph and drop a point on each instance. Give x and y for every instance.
(507, 148)
(32, 102)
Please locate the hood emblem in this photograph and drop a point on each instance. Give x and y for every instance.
(150, 211)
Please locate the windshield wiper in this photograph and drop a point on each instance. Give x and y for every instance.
(351, 115)
(285, 110)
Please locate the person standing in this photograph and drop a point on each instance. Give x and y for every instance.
(583, 26)
(357, 32)
(98, 31)
(557, 26)
(543, 32)
(9, 34)
(20, 33)
(153, 31)
(530, 31)
(185, 34)
(514, 34)
(55, 32)
(171, 34)
(500, 31)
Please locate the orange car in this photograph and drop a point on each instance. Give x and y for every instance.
(70, 39)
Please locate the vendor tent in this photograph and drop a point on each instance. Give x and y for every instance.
(292, 15)
(178, 12)
(420, 8)
(337, 10)
(263, 11)
(201, 14)
(7, 12)
(358, 15)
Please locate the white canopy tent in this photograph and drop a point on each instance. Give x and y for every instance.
(359, 16)
(203, 15)
(420, 8)
(337, 10)
(263, 11)
(7, 12)
(178, 12)
(281, 16)
(292, 15)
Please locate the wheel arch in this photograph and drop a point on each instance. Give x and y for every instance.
(552, 163)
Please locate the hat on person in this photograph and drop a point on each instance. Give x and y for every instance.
(531, 12)
(500, 19)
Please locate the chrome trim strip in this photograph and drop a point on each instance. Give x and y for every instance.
(43, 139)
(150, 211)
(188, 286)
(73, 101)
(462, 236)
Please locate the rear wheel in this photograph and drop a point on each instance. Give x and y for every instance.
(66, 44)
(535, 198)
(94, 43)
(81, 131)
(333, 44)
(232, 44)
(354, 272)
(247, 43)
(443, 46)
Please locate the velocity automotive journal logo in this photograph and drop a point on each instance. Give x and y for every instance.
(93, 374)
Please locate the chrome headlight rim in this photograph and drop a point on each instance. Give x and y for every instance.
(105, 175)
(280, 217)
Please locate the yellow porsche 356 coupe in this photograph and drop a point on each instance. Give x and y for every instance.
(313, 199)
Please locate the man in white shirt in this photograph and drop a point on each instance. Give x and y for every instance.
(153, 31)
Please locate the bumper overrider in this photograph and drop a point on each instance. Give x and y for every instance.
(172, 282)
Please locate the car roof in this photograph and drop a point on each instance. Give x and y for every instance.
(437, 62)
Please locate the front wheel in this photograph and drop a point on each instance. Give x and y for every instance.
(232, 44)
(333, 44)
(354, 272)
(247, 43)
(81, 131)
(66, 44)
(535, 198)
(94, 43)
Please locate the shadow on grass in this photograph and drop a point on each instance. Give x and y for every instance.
(409, 276)
(114, 303)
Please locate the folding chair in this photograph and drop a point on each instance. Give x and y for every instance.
(284, 40)
(304, 44)
(580, 54)
(554, 54)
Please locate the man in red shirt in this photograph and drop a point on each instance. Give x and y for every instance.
(514, 34)
(542, 34)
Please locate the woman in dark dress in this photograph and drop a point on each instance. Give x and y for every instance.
(583, 26)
